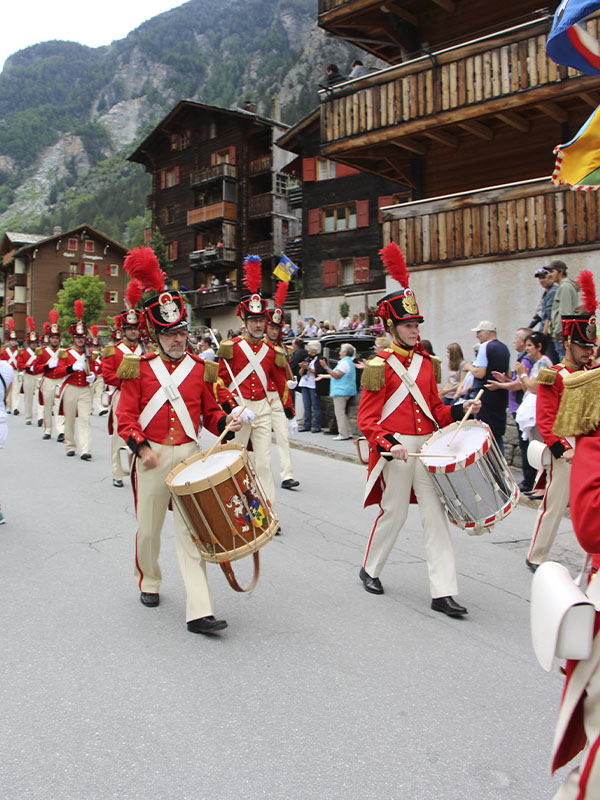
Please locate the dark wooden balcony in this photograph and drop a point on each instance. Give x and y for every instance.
(202, 299)
(208, 213)
(212, 257)
(216, 172)
(261, 164)
(494, 223)
(260, 205)
(484, 90)
(16, 279)
(262, 249)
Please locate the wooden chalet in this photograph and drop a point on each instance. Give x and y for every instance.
(36, 267)
(341, 232)
(218, 193)
(467, 115)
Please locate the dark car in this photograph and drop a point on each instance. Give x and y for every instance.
(364, 344)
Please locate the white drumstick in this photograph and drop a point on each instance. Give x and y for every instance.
(465, 418)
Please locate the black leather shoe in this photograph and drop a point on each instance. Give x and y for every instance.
(46, 436)
(16, 412)
(525, 487)
(149, 599)
(206, 625)
(70, 453)
(40, 422)
(86, 457)
(278, 531)
(103, 412)
(372, 585)
(448, 606)
(29, 422)
(60, 437)
(531, 565)
(289, 483)
(118, 483)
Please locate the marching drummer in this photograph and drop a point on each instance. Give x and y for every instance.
(165, 397)
(398, 410)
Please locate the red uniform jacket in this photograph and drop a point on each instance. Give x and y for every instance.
(112, 358)
(77, 377)
(251, 388)
(10, 355)
(165, 427)
(41, 368)
(26, 360)
(547, 403)
(379, 383)
(287, 400)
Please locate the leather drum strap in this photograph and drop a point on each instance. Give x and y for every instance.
(228, 570)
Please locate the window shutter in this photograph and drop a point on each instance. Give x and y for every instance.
(330, 273)
(386, 200)
(174, 250)
(232, 155)
(362, 213)
(82, 268)
(199, 241)
(163, 179)
(341, 170)
(213, 159)
(176, 175)
(314, 220)
(309, 169)
(107, 269)
(107, 297)
(95, 270)
(361, 269)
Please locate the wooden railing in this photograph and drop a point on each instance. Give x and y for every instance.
(262, 249)
(212, 256)
(16, 279)
(213, 173)
(494, 73)
(261, 164)
(329, 5)
(260, 204)
(211, 211)
(493, 223)
(218, 296)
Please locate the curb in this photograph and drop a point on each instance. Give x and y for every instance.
(323, 451)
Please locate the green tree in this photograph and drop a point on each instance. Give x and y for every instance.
(88, 288)
(157, 243)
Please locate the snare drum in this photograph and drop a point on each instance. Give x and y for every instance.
(222, 503)
(475, 486)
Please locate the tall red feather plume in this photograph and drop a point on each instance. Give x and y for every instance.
(10, 324)
(118, 323)
(252, 273)
(142, 263)
(53, 316)
(94, 331)
(30, 324)
(46, 328)
(395, 264)
(134, 292)
(281, 293)
(588, 290)
(78, 306)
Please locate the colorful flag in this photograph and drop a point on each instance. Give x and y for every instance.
(285, 269)
(578, 161)
(569, 43)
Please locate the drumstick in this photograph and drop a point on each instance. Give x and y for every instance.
(429, 455)
(220, 439)
(465, 418)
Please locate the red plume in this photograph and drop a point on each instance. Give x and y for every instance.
(118, 323)
(588, 290)
(142, 263)
(46, 328)
(395, 264)
(11, 324)
(252, 273)
(30, 324)
(134, 292)
(281, 293)
(94, 331)
(53, 316)
(78, 306)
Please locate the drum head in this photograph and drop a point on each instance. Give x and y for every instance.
(473, 438)
(198, 470)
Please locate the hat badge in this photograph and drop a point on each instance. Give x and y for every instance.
(168, 308)
(277, 316)
(131, 316)
(79, 328)
(409, 303)
(255, 304)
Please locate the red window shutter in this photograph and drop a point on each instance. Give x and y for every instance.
(309, 169)
(341, 170)
(199, 241)
(163, 179)
(330, 273)
(361, 269)
(107, 269)
(386, 200)
(213, 159)
(82, 268)
(107, 297)
(362, 213)
(176, 175)
(95, 269)
(232, 155)
(174, 250)
(314, 220)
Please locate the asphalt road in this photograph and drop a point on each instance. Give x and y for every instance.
(316, 690)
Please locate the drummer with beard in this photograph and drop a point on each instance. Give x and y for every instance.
(399, 409)
(162, 428)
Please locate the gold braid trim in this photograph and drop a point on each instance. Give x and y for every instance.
(211, 371)
(373, 377)
(280, 359)
(547, 377)
(38, 351)
(225, 349)
(437, 368)
(109, 350)
(62, 353)
(218, 384)
(129, 368)
(579, 410)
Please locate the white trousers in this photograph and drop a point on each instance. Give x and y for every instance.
(116, 443)
(339, 408)
(14, 394)
(30, 385)
(49, 386)
(259, 433)
(399, 478)
(282, 435)
(97, 389)
(77, 403)
(551, 510)
(152, 503)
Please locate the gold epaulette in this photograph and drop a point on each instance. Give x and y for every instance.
(579, 410)
(211, 371)
(373, 377)
(109, 350)
(280, 359)
(225, 349)
(129, 367)
(547, 376)
(38, 351)
(62, 353)
(437, 368)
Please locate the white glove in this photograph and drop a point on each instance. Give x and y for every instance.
(90, 378)
(52, 362)
(293, 383)
(293, 425)
(246, 415)
(77, 367)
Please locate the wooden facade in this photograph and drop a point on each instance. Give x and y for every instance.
(219, 193)
(35, 271)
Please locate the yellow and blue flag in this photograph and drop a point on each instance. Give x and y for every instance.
(578, 161)
(285, 269)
